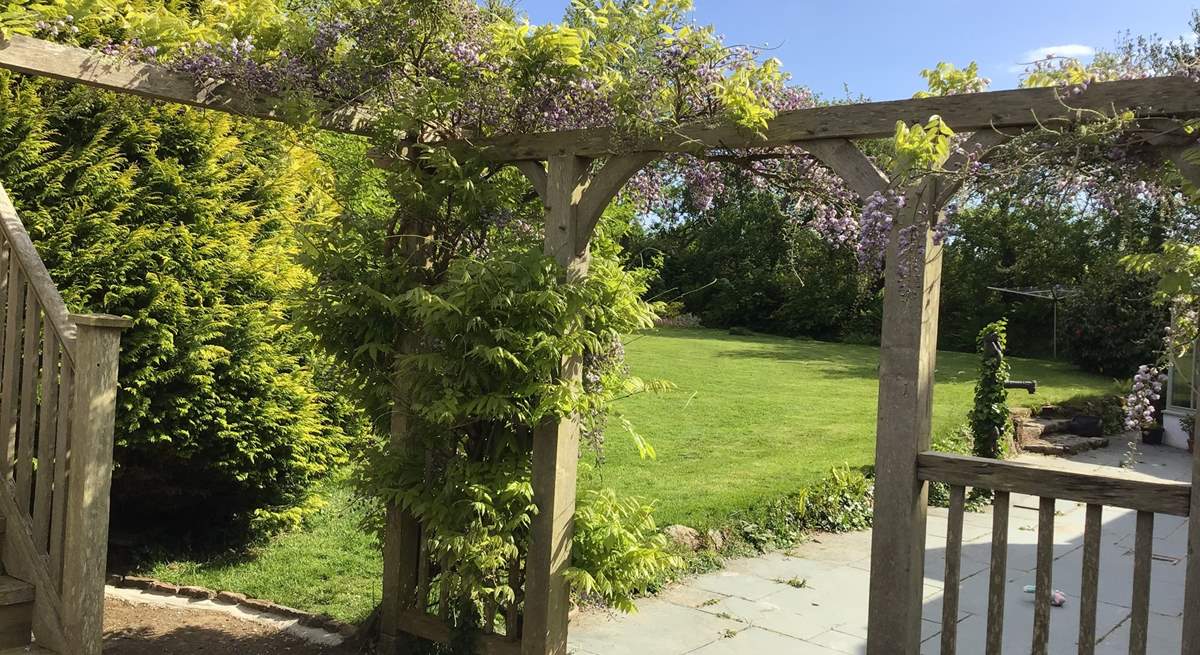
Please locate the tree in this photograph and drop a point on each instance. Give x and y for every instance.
(182, 221)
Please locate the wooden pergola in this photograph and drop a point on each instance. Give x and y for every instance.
(560, 167)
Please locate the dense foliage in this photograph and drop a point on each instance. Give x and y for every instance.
(183, 222)
(990, 420)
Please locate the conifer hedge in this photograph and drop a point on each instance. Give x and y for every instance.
(184, 221)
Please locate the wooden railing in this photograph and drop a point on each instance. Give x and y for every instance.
(58, 382)
(1146, 497)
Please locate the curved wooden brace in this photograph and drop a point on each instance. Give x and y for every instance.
(535, 172)
(604, 186)
(850, 163)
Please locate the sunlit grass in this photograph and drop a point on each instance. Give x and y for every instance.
(753, 417)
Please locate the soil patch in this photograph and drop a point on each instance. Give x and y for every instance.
(148, 630)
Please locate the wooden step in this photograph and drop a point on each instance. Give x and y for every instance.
(16, 614)
(27, 650)
(14, 591)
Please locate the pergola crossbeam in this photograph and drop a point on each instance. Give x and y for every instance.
(1176, 97)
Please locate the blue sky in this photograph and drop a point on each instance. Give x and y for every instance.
(878, 48)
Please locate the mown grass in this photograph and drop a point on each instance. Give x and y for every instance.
(331, 566)
(753, 418)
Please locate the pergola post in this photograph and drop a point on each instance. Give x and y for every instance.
(1184, 159)
(401, 546)
(556, 442)
(907, 359)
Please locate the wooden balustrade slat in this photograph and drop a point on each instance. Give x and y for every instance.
(5, 253)
(998, 573)
(423, 564)
(512, 613)
(1143, 553)
(47, 428)
(62, 472)
(25, 255)
(444, 588)
(10, 377)
(1090, 580)
(1158, 496)
(489, 616)
(30, 366)
(950, 583)
(1044, 579)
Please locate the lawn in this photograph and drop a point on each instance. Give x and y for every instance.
(760, 416)
(752, 417)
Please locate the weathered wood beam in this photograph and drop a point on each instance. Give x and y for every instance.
(556, 441)
(605, 184)
(1155, 496)
(47, 59)
(850, 163)
(1020, 108)
(906, 365)
(1154, 97)
(1191, 597)
(535, 172)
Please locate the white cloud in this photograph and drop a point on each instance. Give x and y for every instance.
(1074, 50)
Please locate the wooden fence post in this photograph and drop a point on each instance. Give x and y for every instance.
(556, 443)
(401, 549)
(97, 352)
(907, 358)
(1191, 598)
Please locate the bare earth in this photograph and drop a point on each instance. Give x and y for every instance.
(145, 630)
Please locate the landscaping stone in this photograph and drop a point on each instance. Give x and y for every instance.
(162, 588)
(684, 536)
(1035, 428)
(1020, 412)
(137, 582)
(1063, 444)
(197, 592)
(716, 539)
(231, 597)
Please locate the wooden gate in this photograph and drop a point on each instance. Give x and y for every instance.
(904, 467)
(58, 385)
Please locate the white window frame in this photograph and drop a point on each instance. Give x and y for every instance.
(1179, 409)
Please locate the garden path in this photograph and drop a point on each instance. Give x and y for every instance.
(812, 599)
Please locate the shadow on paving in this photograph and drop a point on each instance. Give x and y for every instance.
(1115, 587)
(813, 599)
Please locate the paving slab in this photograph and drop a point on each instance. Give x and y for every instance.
(812, 599)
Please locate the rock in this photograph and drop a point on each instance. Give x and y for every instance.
(233, 598)
(1020, 412)
(684, 536)
(197, 592)
(1063, 444)
(115, 580)
(1032, 429)
(264, 606)
(137, 582)
(716, 539)
(163, 588)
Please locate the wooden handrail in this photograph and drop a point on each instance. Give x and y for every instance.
(1160, 497)
(55, 310)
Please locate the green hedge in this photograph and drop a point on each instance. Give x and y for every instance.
(181, 219)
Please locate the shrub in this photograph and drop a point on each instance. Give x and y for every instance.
(181, 220)
(1112, 326)
(991, 424)
(618, 551)
(841, 502)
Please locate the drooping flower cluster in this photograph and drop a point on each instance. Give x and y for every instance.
(1147, 390)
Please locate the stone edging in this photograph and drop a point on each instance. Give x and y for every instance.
(308, 619)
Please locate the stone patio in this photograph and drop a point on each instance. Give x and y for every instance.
(812, 600)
